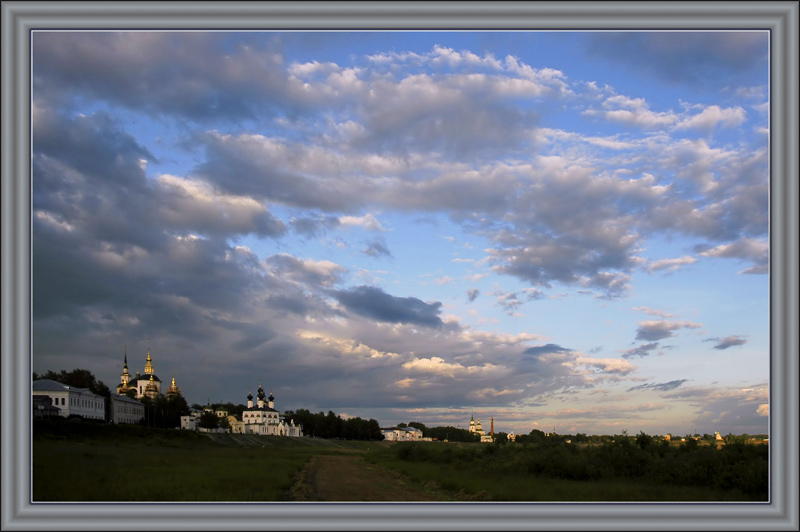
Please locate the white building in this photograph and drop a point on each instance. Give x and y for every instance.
(72, 401)
(402, 434)
(262, 418)
(477, 429)
(123, 409)
(189, 422)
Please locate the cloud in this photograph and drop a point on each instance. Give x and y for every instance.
(307, 272)
(642, 350)
(671, 265)
(727, 342)
(546, 349)
(660, 387)
(472, 294)
(314, 226)
(685, 57)
(654, 312)
(368, 222)
(372, 302)
(377, 248)
(746, 249)
(659, 329)
(727, 409)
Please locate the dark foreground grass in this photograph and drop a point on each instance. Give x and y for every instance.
(473, 483)
(86, 462)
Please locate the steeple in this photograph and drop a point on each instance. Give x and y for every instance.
(125, 376)
(148, 367)
(173, 389)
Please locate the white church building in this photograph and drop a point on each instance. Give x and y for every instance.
(262, 418)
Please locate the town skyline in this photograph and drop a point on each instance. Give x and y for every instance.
(562, 229)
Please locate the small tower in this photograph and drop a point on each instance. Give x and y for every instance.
(260, 396)
(125, 376)
(148, 366)
(271, 400)
(151, 390)
(492, 427)
(173, 389)
(249, 399)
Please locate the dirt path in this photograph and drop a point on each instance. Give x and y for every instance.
(349, 477)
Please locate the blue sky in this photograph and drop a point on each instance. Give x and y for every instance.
(554, 229)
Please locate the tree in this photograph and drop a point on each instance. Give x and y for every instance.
(643, 440)
(79, 378)
(208, 420)
(420, 426)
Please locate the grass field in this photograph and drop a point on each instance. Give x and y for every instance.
(92, 463)
(470, 484)
(87, 462)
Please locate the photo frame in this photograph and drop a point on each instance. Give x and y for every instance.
(20, 18)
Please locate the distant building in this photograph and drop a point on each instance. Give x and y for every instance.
(189, 422)
(476, 428)
(262, 418)
(403, 434)
(148, 385)
(71, 401)
(43, 407)
(123, 409)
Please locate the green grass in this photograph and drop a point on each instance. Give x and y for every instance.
(89, 462)
(470, 482)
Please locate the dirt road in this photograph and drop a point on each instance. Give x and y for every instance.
(348, 477)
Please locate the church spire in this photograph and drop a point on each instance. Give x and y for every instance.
(148, 367)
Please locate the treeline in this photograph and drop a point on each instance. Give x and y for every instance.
(332, 426)
(733, 466)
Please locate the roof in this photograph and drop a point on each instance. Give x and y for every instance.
(125, 399)
(47, 385)
(143, 379)
(260, 408)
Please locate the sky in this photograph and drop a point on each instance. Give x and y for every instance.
(558, 230)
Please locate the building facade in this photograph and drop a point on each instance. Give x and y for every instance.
(122, 409)
(71, 401)
(403, 434)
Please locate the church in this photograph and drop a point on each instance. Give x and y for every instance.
(148, 385)
(262, 418)
(476, 428)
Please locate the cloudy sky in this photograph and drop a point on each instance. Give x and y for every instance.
(557, 230)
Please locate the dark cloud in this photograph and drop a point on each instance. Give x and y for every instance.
(377, 248)
(472, 294)
(659, 387)
(314, 226)
(642, 350)
(372, 302)
(660, 329)
(546, 349)
(727, 342)
(722, 58)
(197, 75)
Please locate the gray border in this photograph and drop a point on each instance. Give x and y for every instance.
(18, 18)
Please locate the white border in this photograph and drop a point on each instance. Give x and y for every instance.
(20, 18)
